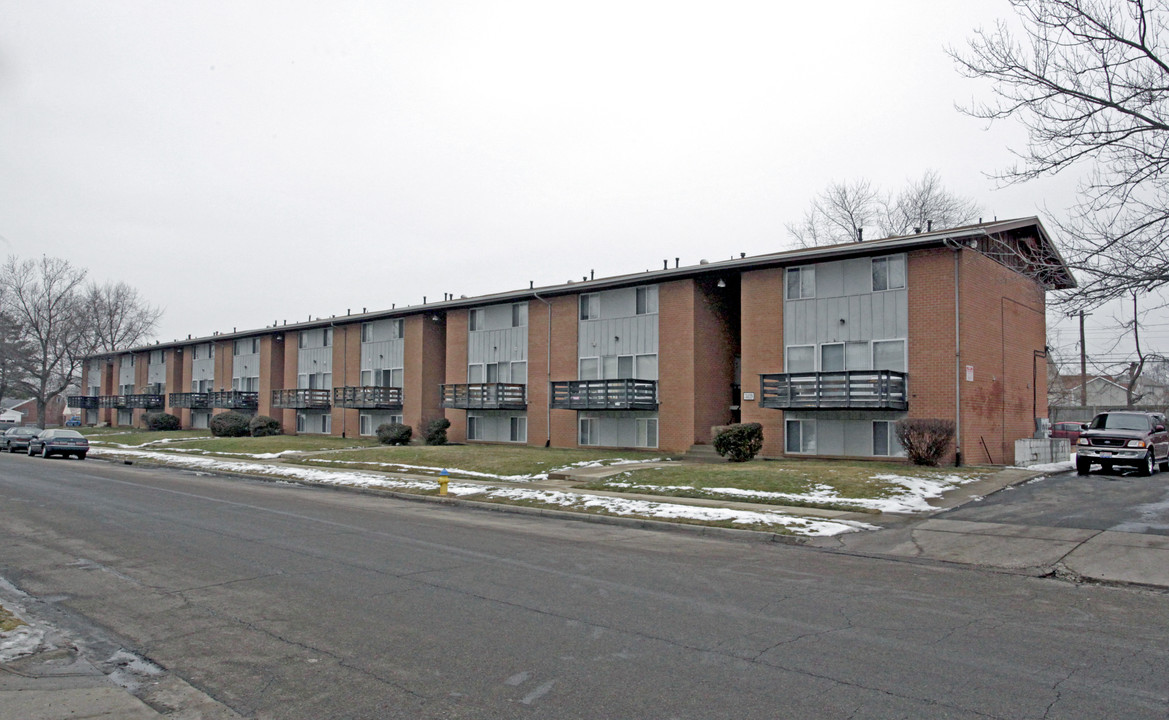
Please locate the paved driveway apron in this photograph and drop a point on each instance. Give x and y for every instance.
(1119, 503)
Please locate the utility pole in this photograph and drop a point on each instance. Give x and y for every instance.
(1083, 365)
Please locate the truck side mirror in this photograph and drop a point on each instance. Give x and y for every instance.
(1159, 428)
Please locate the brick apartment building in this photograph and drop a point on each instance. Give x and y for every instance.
(825, 347)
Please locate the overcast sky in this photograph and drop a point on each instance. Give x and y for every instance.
(242, 163)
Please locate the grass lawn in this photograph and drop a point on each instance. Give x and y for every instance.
(188, 441)
(135, 438)
(470, 461)
(8, 621)
(842, 479)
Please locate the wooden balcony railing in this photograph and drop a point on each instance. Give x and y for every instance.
(485, 396)
(149, 401)
(302, 399)
(368, 397)
(605, 395)
(84, 402)
(190, 400)
(234, 399)
(871, 389)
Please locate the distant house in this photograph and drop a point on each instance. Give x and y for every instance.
(1103, 391)
(54, 412)
(11, 417)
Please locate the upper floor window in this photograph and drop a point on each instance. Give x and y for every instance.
(590, 306)
(195, 353)
(131, 363)
(366, 332)
(801, 282)
(519, 315)
(478, 319)
(397, 329)
(301, 340)
(888, 273)
(647, 300)
(328, 337)
(247, 346)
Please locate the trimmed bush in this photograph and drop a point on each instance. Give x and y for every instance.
(436, 431)
(739, 442)
(925, 440)
(162, 421)
(264, 426)
(394, 434)
(229, 424)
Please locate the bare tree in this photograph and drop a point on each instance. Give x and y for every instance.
(924, 202)
(1089, 79)
(120, 317)
(44, 298)
(15, 354)
(838, 214)
(843, 211)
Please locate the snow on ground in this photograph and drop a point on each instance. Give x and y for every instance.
(24, 640)
(617, 506)
(914, 498)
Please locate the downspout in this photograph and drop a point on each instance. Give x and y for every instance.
(548, 370)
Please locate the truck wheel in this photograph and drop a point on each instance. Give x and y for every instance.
(1149, 466)
(1083, 466)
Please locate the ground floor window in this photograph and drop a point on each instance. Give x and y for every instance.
(368, 423)
(800, 436)
(125, 417)
(474, 431)
(588, 431)
(519, 429)
(619, 429)
(497, 426)
(647, 432)
(200, 420)
(884, 442)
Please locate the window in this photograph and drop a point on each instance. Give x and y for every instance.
(801, 282)
(326, 423)
(800, 358)
(832, 357)
(474, 429)
(519, 315)
(889, 355)
(625, 367)
(397, 331)
(590, 368)
(328, 337)
(195, 352)
(590, 306)
(857, 356)
(300, 422)
(647, 300)
(366, 378)
(493, 372)
(647, 432)
(364, 421)
(800, 436)
(519, 429)
(250, 346)
(883, 438)
(478, 319)
(888, 273)
(475, 373)
(301, 340)
(588, 431)
(519, 373)
(646, 367)
(367, 332)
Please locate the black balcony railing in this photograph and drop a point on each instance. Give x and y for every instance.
(190, 400)
(111, 401)
(301, 399)
(605, 395)
(368, 397)
(872, 389)
(234, 399)
(485, 396)
(149, 401)
(84, 402)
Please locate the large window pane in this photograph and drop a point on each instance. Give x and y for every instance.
(832, 357)
(858, 356)
(889, 355)
(590, 368)
(801, 358)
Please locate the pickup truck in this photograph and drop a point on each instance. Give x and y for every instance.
(1124, 438)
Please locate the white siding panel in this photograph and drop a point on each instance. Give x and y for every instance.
(382, 354)
(323, 357)
(126, 371)
(502, 345)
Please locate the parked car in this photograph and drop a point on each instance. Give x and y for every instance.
(73, 422)
(1069, 430)
(59, 441)
(1126, 438)
(17, 438)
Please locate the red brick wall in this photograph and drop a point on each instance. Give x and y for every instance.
(761, 333)
(425, 363)
(715, 347)
(176, 381)
(456, 368)
(676, 365)
(186, 371)
(346, 373)
(564, 338)
(930, 291)
(291, 360)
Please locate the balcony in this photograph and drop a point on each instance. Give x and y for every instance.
(111, 401)
(851, 389)
(485, 396)
(84, 402)
(190, 400)
(302, 399)
(234, 399)
(148, 401)
(368, 397)
(605, 395)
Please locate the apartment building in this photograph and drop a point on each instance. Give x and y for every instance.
(825, 347)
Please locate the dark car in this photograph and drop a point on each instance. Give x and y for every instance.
(17, 438)
(59, 441)
(1069, 430)
(1125, 438)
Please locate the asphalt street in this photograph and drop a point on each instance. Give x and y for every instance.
(289, 602)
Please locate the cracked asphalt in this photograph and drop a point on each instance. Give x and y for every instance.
(290, 602)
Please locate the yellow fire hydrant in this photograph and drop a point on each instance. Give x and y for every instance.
(443, 479)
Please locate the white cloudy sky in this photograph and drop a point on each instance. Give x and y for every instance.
(248, 162)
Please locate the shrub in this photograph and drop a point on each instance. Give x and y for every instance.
(925, 440)
(162, 421)
(264, 426)
(229, 424)
(739, 442)
(394, 434)
(436, 431)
